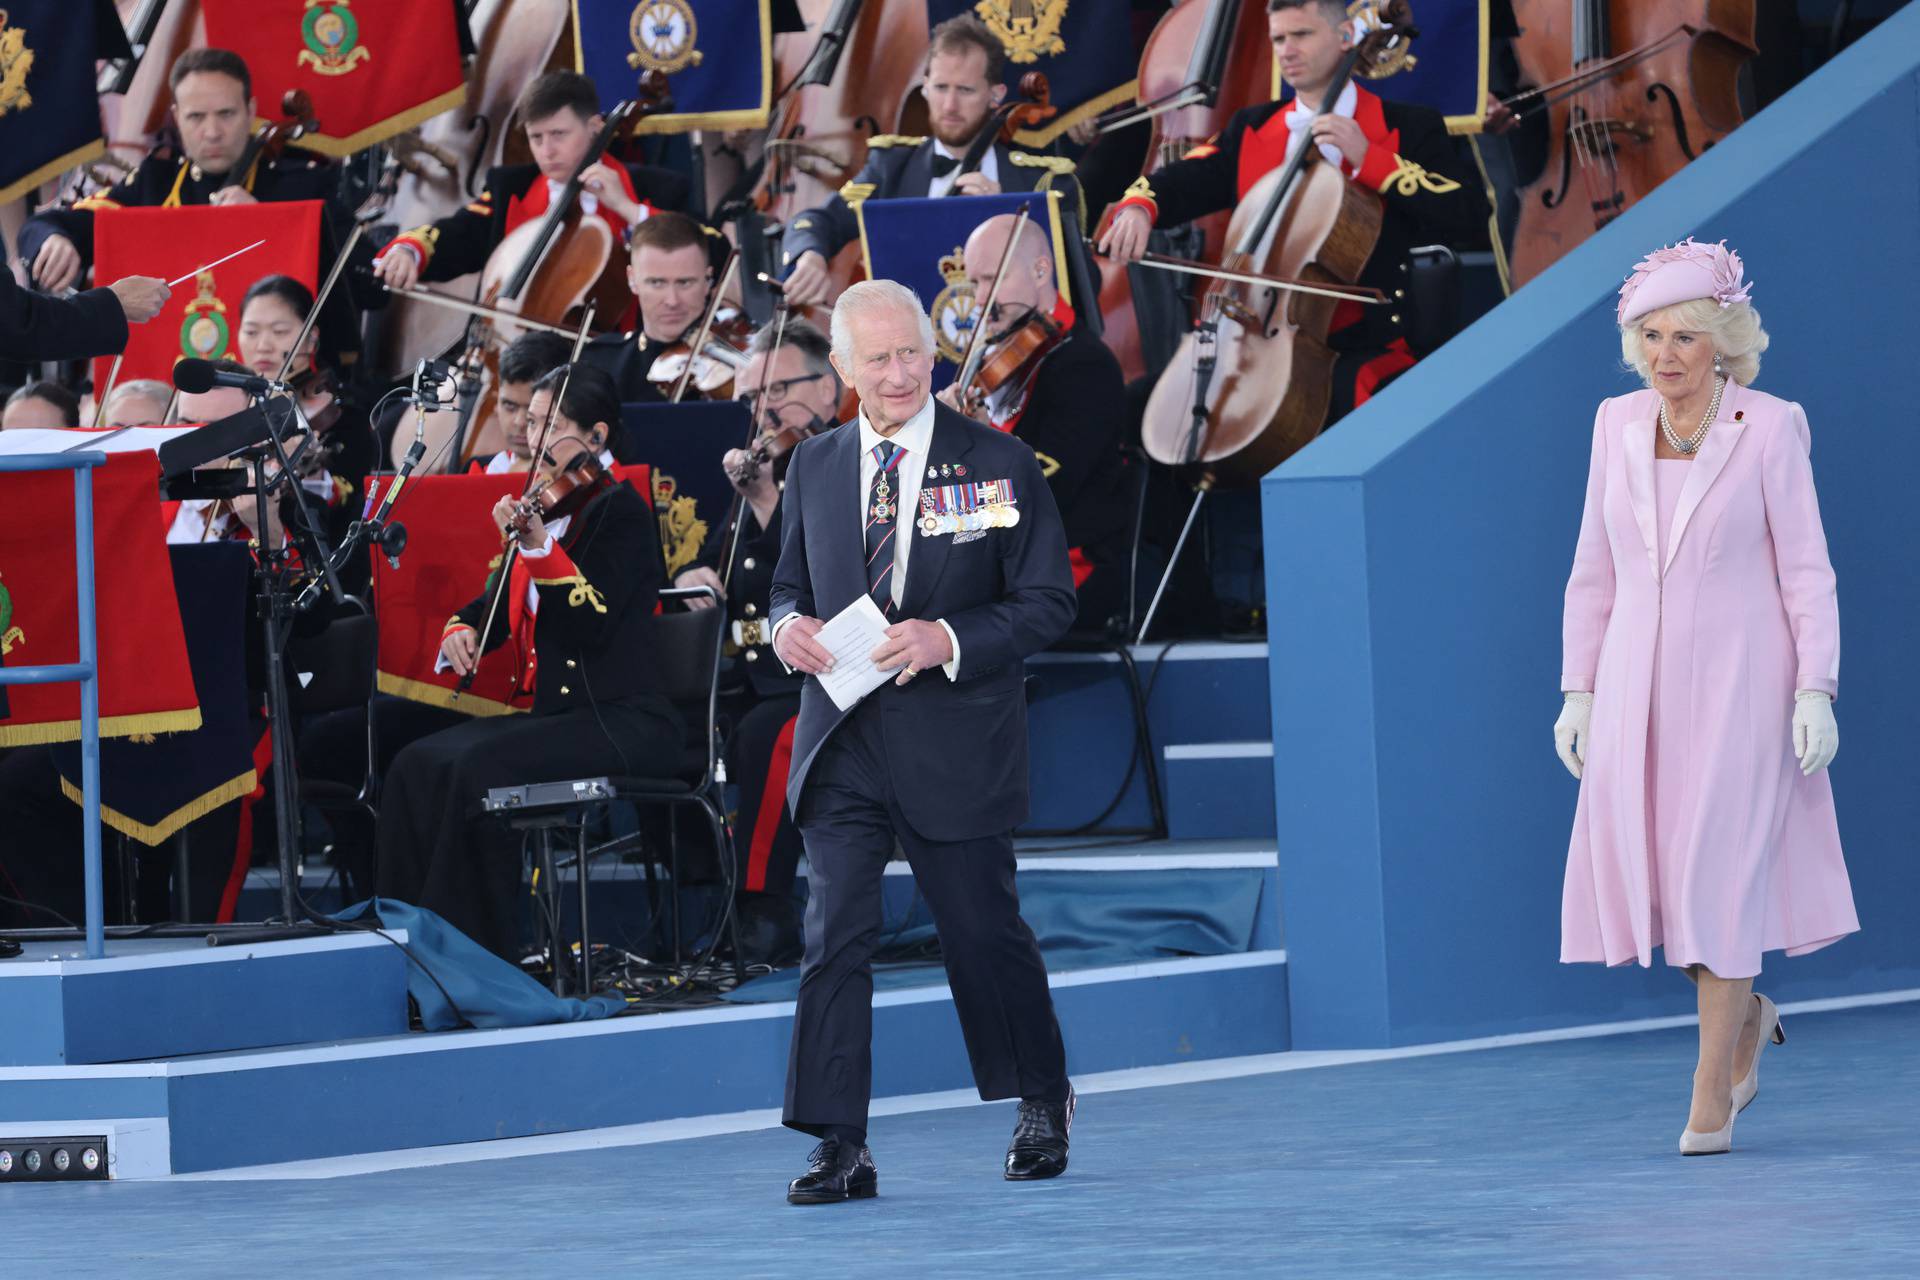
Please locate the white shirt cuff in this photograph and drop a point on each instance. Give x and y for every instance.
(546, 549)
(952, 665)
(774, 635)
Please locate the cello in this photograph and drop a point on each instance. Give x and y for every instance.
(1252, 382)
(1634, 89)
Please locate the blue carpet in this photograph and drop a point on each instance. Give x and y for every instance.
(1551, 1159)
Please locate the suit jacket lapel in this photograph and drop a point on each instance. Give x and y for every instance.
(916, 176)
(846, 507)
(1715, 451)
(1637, 439)
(929, 556)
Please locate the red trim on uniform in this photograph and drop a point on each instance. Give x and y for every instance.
(169, 512)
(773, 801)
(1382, 369)
(1265, 149)
(243, 843)
(533, 204)
(1082, 567)
(414, 241)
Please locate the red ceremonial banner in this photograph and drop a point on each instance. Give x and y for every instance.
(146, 685)
(373, 69)
(452, 545)
(202, 318)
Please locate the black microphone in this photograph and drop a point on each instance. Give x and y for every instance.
(196, 376)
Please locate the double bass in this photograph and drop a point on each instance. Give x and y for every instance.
(1634, 89)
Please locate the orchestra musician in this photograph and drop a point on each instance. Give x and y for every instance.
(797, 395)
(670, 269)
(526, 360)
(560, 112)
(42, 406)
(579, 612)
(138, 402)
(1400, 150)
(213, 109)
(965, 63)
(1068, 402)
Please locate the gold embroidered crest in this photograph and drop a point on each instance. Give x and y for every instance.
(952, 308)
(682, 531)
(1409, 179)
(15, 61)
(332, 37)
(1029, 28)
(663, 33)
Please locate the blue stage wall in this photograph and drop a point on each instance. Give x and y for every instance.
(1416, 558)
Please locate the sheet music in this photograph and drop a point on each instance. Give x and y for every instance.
(851, 636)
(119, 440)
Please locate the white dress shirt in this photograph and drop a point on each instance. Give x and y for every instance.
(915, 438)
(1300, 120)
(989, 168)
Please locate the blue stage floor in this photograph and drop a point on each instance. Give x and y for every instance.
(1551, 1158)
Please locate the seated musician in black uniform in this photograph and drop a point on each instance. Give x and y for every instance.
(527, 359)
(1399, 150)
(965, 63)
(579, 613)
(670, 269)
(213, 109)
(1069, 404)
(797, 395)
(561, 114)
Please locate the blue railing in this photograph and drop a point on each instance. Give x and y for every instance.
(86, 671)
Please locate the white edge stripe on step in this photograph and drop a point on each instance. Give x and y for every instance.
(1207, 652)
(952, 1099)
(193, 954)
(1220, 751)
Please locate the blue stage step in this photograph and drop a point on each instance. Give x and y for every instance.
(230, 1109)
(1219, 790)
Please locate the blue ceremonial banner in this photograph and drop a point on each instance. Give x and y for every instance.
(717, 56)
(49, 108)
(1085, 47)
(920, 243)
(683, 445)
(1446, 67)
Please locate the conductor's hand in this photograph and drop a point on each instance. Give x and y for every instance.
(1126, 237)
(699, 576)
(1570, 732)
(976, 184)
(794, 645)
(141, 297)
(461, 648)
(398, 268)
(914, 646)
(57, 266)
(807, 286)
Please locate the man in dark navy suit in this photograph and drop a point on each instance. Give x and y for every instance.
(949, 527)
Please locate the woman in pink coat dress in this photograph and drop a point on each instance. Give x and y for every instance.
(1702, 657)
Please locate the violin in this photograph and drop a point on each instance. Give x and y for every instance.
(1031, 105)
(1013, 357)
(721, 358)
(564, 494)
(270, 140)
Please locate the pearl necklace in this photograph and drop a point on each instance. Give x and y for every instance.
(1691, 444)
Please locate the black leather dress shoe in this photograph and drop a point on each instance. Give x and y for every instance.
(836, 1171)
(1039, 1146)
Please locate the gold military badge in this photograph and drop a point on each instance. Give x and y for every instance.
(15, 61)
(953, 318)
(203, 331)
(1030, 29)
(332, 37)
(682, 531)
(663, 33)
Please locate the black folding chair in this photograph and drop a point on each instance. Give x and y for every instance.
(337, 670)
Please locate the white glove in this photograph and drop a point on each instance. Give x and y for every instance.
(1570, 732)
(1816, 738)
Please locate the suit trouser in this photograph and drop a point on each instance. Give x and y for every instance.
(850, 818)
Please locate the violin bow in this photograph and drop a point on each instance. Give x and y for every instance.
(737, 511)
(511, 547)
(479, 309)
(706, 325)
(326, 291)
(1366, 295)
(970, 366)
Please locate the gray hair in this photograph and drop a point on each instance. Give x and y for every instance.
(871, 297)
(1734, 331)
(151, 388)
(803, 336)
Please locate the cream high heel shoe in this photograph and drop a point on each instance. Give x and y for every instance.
(1770, 1029)
(1717, 1143)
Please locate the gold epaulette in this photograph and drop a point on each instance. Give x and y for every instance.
(885, 140)
(854, 192)
(96, 203)
(1058, 166)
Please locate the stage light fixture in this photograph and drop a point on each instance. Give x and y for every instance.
(53, 1159)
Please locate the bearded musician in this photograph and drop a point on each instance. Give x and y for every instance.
(213, 109)
(560, 112)
(1399, 150)
(965, 63)
(1068, 403)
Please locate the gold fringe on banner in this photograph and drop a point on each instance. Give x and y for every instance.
(47, 731)
(160, 832)
(379, 131)
(51, 169)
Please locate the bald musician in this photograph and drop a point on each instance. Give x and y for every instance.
(1069, 407)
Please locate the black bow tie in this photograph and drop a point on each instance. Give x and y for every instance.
(944, 165)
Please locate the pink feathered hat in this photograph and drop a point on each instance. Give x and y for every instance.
(1681, 273)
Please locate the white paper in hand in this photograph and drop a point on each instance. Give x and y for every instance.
(851, 636)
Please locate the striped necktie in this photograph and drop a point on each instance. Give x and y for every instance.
(883, 509)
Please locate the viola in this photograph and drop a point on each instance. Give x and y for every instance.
(721, 358)
(270, 140)
(565, 493)
(1013, 357)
